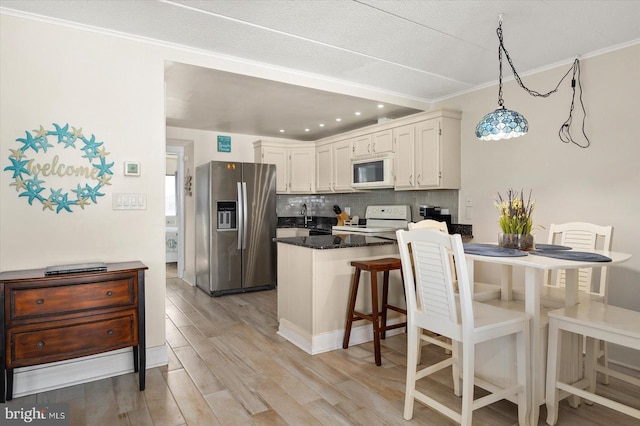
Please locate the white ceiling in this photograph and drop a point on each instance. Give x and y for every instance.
(405, 54)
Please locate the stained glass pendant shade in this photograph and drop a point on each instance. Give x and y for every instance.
(501, 124)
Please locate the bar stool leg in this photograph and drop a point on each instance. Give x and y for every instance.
(351, 308)
(375, 317)
(385, 304)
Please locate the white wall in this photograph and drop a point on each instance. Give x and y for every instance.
(111, 88)
(599, 184)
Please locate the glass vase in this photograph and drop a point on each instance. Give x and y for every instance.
(516, 241)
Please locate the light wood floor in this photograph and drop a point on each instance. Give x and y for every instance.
(228, 366)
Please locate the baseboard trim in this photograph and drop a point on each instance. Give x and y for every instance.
(56, 375)
(332, 340)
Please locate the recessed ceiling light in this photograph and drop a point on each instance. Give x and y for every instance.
(358, 113)
(281, 130)
(380, 106)
(338, 119)
(306, 130)
(321, 124)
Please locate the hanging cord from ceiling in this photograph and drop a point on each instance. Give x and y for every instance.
(565, 129)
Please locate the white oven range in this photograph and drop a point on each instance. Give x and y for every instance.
(381, 221)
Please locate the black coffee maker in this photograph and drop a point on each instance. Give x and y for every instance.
(435, 213)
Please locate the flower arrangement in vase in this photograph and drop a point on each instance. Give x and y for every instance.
(515, 220)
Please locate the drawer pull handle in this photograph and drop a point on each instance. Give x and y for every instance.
(110, 332)
(109, 293)
(40, 301)
(40, 345)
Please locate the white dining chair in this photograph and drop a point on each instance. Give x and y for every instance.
(482, 292)
(433, 305)
(578, 236)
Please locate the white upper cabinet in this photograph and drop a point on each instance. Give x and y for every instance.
(278, 156)
(295, 165)
(342, 166)
(333, 167)
(404, 166)
(324, 168)
(425, 147)
(427, 154)
(373, 143)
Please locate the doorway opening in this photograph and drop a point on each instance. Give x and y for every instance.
(174, 208)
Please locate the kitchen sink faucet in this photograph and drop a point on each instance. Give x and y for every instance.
(303, 212)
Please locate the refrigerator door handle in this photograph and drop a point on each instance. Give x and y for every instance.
(241, 215)
(244, 215)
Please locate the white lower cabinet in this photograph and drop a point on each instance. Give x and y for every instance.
(291, 232)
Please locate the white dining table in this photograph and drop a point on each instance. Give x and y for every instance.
(535, 267)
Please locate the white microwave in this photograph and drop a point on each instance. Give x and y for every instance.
(372, 172)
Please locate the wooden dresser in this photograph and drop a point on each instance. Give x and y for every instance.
(58, 317)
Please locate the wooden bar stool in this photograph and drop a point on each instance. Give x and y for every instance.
(379, 319)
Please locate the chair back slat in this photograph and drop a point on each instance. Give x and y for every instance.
(428, 272)
(583, 236)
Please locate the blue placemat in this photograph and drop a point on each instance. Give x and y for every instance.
(547, 247)
(572, 255)
(492, 250)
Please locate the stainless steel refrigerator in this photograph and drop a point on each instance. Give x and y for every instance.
(235, 226)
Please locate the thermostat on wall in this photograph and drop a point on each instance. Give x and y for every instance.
(131, 168)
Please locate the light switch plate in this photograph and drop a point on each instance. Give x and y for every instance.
(129, 201)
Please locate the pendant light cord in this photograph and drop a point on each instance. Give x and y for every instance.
(565, 129)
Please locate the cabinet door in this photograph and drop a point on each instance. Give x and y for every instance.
(278, 156)
(404, 162)
(382, 141)
(291, 232)
(428, 154)
(302, 169)
(342, 166)
(362, 146)
(324, 168)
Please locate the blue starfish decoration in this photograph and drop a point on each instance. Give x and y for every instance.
(63, 203)
(55, 195)
(17, 166)
(43, 143)
(92, 193)
(68, 139)
(88, 192)
(103, 167)
(29, 142)
(81, 192)
(90, 147)
(33, 189)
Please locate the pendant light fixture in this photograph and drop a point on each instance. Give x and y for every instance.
(504, 123)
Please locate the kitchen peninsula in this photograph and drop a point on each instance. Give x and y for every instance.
(314, 279)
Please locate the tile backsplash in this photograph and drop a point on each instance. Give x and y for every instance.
(322, 204)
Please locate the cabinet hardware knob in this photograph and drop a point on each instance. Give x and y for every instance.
(109, 293)
(40, 301)
(110, 332)
(40, 345)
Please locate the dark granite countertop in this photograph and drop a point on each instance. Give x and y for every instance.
(325, 242)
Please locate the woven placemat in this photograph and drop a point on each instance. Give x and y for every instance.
(572, 255)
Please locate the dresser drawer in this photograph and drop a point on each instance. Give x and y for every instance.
(60, 340)
(34, 301)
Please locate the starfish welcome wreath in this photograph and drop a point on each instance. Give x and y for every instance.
(26, 172)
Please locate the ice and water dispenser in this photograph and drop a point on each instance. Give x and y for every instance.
(227, 215)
